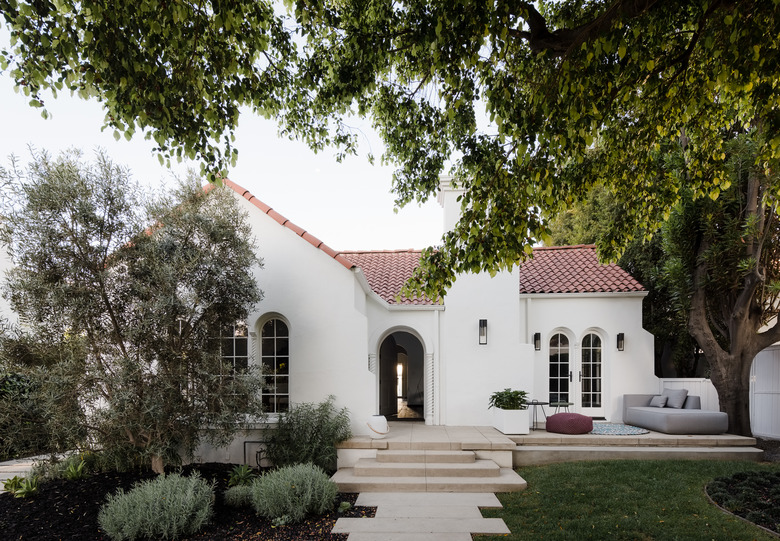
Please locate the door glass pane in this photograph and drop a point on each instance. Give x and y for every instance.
(559, 368)
(591, 371)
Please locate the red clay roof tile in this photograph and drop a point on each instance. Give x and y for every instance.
(573, 269)
(387, 271)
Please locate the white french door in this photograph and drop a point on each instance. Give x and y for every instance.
(577, 378)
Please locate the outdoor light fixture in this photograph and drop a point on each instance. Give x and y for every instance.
(483, 331)
(621, 341)
(537, 341)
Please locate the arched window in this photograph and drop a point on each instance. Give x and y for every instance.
(591, 371)
(275, 354)
(559, 368)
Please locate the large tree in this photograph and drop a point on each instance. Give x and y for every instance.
(531, 103)
(123, 301)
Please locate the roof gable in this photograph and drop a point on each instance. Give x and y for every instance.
(573, 269)
(305, 235)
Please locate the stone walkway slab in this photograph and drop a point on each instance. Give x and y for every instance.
(428, 516)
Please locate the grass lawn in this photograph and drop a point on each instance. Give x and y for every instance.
(626, 499)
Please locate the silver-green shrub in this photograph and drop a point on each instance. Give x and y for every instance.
(239, 496)
(288, 494)
(167, 507)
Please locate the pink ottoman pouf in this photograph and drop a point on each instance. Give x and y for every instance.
(569, 423)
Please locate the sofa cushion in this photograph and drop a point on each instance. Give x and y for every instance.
(675, 398)
(677, 421)
(658, 401)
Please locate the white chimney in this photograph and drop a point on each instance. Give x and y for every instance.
(448, 199)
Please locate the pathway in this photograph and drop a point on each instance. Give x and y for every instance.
(429, 516)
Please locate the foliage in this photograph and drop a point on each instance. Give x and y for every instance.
(287, 494)
(309, 433)
(23, 488)
(629, 500)
(12, 484)
(755, 496)
(241, 475)
(532, 103)
(509, 399)
(168, 507)
(238, 496)
(177, 72)
(124, 298)
(75, 471)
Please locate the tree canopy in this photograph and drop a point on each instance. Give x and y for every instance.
(530, 103)
(124, 301)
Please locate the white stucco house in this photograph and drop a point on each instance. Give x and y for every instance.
(561, 327)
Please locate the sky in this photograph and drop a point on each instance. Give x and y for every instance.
(347, 205)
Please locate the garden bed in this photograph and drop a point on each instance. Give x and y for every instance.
(68, 510)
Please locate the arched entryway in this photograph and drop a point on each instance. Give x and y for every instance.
(401, 377)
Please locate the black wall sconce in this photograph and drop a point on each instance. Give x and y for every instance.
(482, 332)
(537, 341)
(621, 341)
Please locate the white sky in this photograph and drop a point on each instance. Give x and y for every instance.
(348, 205)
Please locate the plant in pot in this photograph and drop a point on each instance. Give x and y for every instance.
(510, 411)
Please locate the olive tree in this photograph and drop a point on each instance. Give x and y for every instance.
(137, 291)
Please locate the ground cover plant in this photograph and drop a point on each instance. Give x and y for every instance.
(752, 495)
(624, 500)
(68, 510)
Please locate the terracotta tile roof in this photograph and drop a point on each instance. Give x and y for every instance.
(265, 209)
(573, 269)
(387, 271)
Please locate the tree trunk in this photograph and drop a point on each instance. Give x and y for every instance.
(158, 466)
(731, 378)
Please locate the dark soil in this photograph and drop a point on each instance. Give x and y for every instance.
(68, 510)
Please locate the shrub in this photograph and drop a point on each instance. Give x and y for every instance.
(27, 488)
(241, 475)
(308, 433)
(167, 507)
(239, 496)
(288, 494)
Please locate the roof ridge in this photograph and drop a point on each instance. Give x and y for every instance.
(566, 247)
(398, 251)
(281, 220)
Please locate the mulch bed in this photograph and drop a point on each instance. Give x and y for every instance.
(68, 510)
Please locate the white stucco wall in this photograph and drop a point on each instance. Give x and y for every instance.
(627, 371)
(5, 265)
(472, 372)
(325, 310)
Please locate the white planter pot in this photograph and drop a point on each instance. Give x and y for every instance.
(511, 421)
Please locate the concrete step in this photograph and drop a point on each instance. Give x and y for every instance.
(370, 467)
(403, 525)
(507, 480)
(528, 455)
(425, 456)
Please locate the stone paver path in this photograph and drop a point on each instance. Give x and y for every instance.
(429, 516)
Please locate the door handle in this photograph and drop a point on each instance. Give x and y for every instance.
(570, 376)
(580, 376)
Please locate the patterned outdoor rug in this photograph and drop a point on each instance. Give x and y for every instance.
(617, 429)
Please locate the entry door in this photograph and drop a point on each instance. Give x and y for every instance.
(577, 378)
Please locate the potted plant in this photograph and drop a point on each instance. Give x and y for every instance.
(510, 411)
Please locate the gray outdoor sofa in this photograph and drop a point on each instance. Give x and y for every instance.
(687, 419)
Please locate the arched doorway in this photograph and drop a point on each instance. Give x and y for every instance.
(401, 377)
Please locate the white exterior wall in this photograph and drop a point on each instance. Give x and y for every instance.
(575, 315)
(471, 372)
(325, 309)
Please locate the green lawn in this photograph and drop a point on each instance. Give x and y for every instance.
(626, 499)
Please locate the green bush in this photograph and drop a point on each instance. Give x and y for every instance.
(308, 433)
(286, 495)
(239, 496)
(167, 507)
(241, 475)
